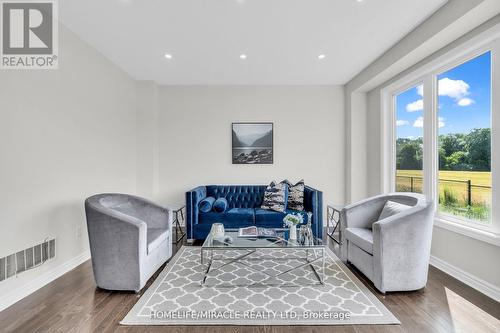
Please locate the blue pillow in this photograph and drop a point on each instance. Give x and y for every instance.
(220, 205)
(206, 204)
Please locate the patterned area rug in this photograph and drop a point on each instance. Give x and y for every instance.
(177, 297)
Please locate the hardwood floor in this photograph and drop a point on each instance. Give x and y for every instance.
(72, 303)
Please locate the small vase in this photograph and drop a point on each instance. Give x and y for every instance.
(293, 233)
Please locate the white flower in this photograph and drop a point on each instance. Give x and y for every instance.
(293, 220)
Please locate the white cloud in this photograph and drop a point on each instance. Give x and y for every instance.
(456, 89)
(420, 90)
(465, 101)
(419, 123)
(402, 122)
(415, 106)
(441, 122)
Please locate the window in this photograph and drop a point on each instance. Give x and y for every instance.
(409, 140)
(440, 137)
(464, 140)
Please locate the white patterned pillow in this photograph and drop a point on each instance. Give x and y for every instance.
(295, 194)
(275, 197)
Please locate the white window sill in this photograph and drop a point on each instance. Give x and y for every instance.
(482, 235)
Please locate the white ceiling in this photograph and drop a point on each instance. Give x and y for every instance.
(281, 38)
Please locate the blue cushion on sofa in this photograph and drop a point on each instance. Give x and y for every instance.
(220, 205)
(273, 219)
(232, 218)
(240, 215)
(206, 204)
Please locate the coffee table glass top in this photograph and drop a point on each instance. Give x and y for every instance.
(245, 242)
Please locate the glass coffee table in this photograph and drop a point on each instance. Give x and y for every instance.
(216, 255)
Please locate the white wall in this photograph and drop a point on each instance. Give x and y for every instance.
(356, 155)
(373, 147)
(64, 134)
(195, 137)
(147, 139)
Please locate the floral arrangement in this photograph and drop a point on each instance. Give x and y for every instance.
(292, 220)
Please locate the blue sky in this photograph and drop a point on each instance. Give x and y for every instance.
(464, 101)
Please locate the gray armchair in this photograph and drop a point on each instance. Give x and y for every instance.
(130, 238)
(393, 252)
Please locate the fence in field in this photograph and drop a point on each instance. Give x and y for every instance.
(414, 184)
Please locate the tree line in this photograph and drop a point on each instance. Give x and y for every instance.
(457, 151)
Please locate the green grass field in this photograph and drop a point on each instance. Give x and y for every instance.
(456, 188)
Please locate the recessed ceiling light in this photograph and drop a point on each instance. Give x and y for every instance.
(359, 0)
(168, 56)
(243, 56)
(321, 56)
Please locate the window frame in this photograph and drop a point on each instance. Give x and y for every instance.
(427, 74)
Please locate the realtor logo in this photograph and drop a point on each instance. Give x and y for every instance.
(29, 35)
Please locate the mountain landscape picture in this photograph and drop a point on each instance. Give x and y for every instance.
(252, 143)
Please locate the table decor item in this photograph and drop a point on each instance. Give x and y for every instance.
(306, 236)
(217, 230)
(256, 232)
(291, 221)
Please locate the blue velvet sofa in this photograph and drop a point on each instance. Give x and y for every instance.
(244, 210)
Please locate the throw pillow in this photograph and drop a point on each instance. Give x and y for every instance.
(392, 208)
(295, 195)
(275, 197)
(206, 204)
(220, 205)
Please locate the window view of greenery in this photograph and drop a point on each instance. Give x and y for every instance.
(409, 142)
(464, 140)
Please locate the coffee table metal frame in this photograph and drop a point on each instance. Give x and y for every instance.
(313, 254)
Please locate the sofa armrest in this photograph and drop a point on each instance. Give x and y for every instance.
(154, 215)
(193, 198)
(363, 213)
(313, 202)
(401, 248)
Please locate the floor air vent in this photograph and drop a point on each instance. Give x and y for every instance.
(27, 259)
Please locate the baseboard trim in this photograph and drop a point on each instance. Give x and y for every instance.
(471, 280)
(42, 280)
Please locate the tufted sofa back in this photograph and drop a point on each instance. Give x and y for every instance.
(238, 196)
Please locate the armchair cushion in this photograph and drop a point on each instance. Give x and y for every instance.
(392, 208)
(361, 237)
(156, 236)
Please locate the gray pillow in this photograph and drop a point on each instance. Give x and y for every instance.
(392, 208)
